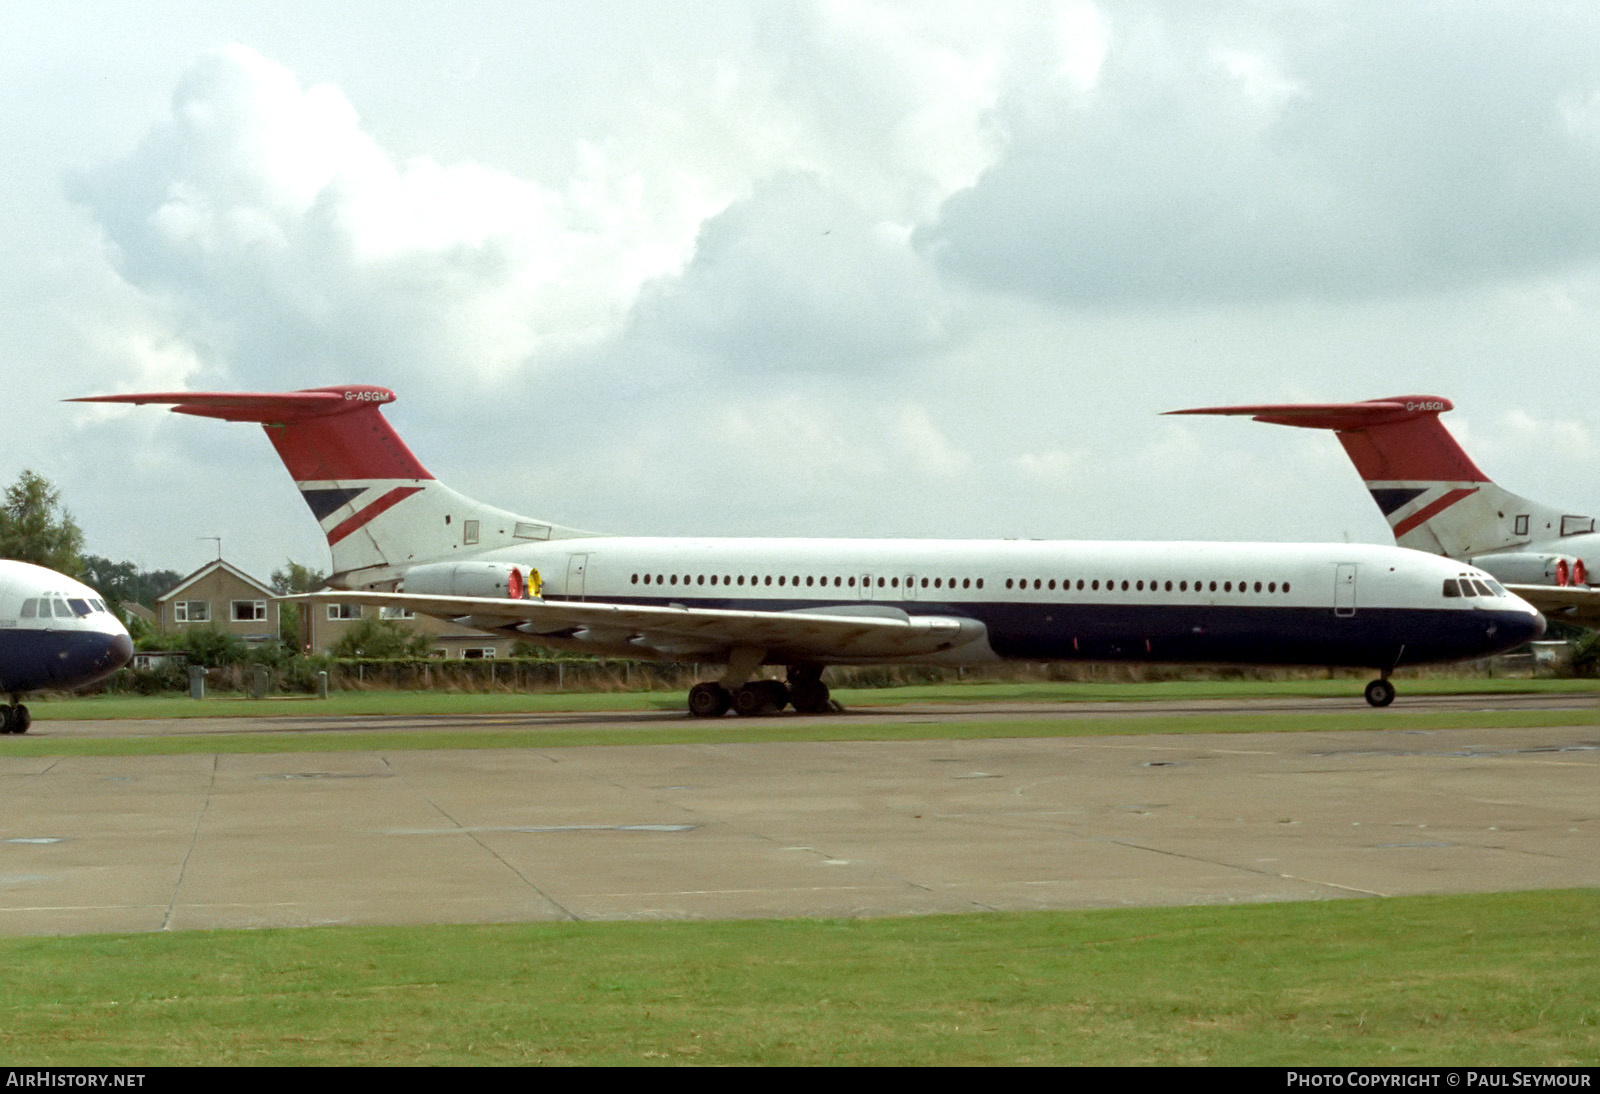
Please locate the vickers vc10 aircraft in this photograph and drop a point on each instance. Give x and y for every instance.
(401, 538)
(1437, 500)
(54, 633)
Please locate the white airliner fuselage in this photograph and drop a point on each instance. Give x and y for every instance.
(54, 633)
(1259, 603)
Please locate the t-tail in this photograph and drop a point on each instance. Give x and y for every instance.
(379, 507)
(1434, 497)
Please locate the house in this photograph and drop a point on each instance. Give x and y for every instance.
(219, 596)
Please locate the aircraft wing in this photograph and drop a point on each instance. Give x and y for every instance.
(674, 632)
(1579, 604)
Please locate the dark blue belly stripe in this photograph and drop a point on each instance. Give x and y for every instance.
(1200, 634)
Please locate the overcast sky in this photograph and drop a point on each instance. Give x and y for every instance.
(799, 268)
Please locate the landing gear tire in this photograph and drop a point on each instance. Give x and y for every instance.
(1380, 693)
(20, 719)
(760, 697)
(5, 719)
(709, 700)
(809, 697)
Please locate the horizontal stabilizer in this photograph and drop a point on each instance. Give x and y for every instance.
(324, 434)
(1398, 439)
(1362, 415)
(265, 407)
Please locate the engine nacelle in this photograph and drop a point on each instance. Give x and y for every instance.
(1534, 568)
(488, 579)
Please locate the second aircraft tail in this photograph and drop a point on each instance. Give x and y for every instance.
(1428, 488)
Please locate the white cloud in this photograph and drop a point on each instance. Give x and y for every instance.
(263, 217)
(1293, 153)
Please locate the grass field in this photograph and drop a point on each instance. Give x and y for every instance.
(495, 723)
(505, 702)
(1502, 979)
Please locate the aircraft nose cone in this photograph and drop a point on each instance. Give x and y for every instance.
(1534, 624)
(119, 651)
(1512, 629)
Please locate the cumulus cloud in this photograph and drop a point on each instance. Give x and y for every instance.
(766, 198)
(1349, 153)
(279, 232)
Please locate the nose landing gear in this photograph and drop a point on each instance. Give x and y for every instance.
(1380, 693)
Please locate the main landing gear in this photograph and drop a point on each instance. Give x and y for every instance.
(15, 718)
(804, 690)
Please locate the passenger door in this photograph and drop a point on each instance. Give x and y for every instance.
(1344, 589)
(577, 565)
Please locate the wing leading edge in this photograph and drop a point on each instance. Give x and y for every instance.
(1577, 604)
(646, 630)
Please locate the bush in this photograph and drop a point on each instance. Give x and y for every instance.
(381, 639)
(1586, 655)
(211, 648)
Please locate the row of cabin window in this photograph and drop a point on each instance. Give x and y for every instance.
(811, 581)
(1139, 586)
(941, 583)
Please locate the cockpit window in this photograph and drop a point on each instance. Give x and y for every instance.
(1483, 590)
(1451, 589)
(30, 607)
(1499, 589)
(79, 607)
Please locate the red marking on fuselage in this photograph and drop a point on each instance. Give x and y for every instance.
(1431, 510)
(364, 515)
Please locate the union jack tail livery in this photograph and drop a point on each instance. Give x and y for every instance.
(379, 507)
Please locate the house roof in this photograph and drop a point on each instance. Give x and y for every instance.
(208, 569)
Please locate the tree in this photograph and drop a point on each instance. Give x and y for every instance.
(293, 578)
(35, 528)
(125, 582)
